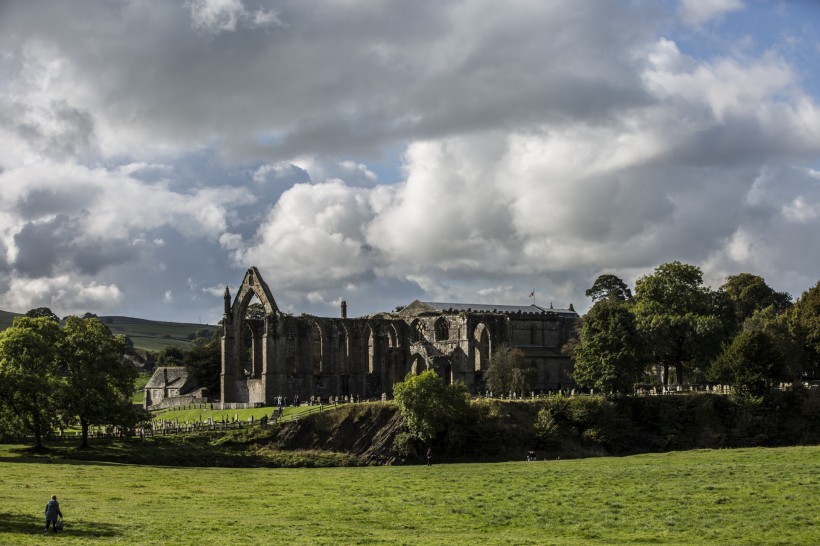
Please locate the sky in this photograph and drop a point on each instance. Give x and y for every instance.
(382, 151)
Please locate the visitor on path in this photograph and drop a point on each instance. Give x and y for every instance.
(52, 513)
(429, 457)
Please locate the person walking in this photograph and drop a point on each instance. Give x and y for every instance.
(52, 513)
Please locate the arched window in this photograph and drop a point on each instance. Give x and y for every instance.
(481, 351)
(442, 330)
(343, 350)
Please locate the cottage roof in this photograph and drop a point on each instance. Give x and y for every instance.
(418, 307)
(175, 377)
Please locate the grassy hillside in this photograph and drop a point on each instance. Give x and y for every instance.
(6, 318)
(152, 335)
(147, 335)
(746, 496)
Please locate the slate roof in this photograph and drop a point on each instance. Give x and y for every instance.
(174, 377)
(493, 308)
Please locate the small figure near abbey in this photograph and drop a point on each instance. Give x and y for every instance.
(52, 513)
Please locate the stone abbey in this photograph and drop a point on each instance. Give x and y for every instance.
(307, 356)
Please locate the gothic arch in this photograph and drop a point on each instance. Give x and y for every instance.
(393, 339)
(252, 285)
(372, 349)
(416, 330)
(344, 349)
(482, 349)
(442, 329)
(417, 364)
(317, 348)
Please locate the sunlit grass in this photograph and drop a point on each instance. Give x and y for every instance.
(747, 496)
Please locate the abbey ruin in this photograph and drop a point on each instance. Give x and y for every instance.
(285, 355)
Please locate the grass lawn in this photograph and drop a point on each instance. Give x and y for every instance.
(747, 496)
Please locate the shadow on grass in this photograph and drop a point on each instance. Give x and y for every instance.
(27, 525)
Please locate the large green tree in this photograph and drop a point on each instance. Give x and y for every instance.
(100, 382)
(42, 312)
(751, 363)
(609, 287)
(750, 293)
(30, 381)
(683, 321)
(609, 355)
(804, 321)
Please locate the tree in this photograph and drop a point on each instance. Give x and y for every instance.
(683, 321)
(751, 362)
(609, 355)
(776, 325)
(204, 362)
(609, 288)
(170, 355)
(43, 312)
(100, 383)
(750, 293)
(30, 382)
(429, 407)
(507, 372)
(804, 322)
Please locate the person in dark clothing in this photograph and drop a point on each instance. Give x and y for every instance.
(52, 512)
(429, 457)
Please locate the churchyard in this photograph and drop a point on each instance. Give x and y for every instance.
(743, 496)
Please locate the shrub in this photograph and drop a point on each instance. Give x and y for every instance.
(433, 410)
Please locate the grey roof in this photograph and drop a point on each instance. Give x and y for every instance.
(168, 376)
(493, 308)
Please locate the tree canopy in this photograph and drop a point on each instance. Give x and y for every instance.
(609, 355)
(804, 323)
(750, 293)
(507, 372)
(99, 383)
(681, 320)
(30, 382)
(609, 288)
(751, 362)
(433, 410)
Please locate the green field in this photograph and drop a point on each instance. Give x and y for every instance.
(747, 496)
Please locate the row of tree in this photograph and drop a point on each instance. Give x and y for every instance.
(57, 376)
(745, 333)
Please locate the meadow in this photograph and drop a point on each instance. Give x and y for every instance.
(744, 496)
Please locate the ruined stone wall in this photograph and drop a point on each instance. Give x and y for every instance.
(306, 356)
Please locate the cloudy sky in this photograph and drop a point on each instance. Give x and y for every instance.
(380, 151)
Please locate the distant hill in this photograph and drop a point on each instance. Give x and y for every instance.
(6, 318)
(147, 335)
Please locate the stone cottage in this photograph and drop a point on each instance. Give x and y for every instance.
(284, 355)
(167, 385)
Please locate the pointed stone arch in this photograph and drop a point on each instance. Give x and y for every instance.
(442, 329)
(253, 285)
(482, 347)
(417, 364)
(241, 382)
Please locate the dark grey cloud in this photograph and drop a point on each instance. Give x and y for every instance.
(45, 247)
(55, 200)
(345, 77)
